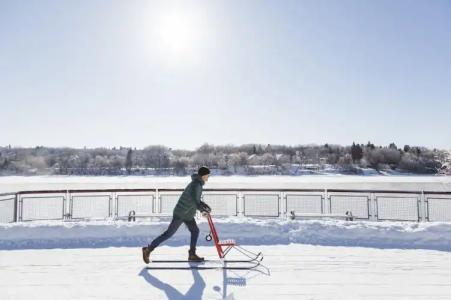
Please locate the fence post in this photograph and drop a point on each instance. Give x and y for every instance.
(372, 207)
(68, 210)
(20, 208)
(326, 209)
(240, 204)
(15, 208)
(71, 206)
(426, 209)
(115, 205)
(110, 205)
(422, 208)
(282, 206)
(375, 207)
(63, 213)
(156, 204)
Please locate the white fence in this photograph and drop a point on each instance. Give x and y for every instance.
(257, 203)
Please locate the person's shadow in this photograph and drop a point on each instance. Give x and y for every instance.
(194, 293)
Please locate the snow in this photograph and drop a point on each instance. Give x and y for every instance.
(304, 259)
(295, 272)
(246, 231)
(413, 183)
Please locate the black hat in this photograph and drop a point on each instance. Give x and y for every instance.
(203, 171)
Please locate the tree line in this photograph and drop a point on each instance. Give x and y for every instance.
(248, 159)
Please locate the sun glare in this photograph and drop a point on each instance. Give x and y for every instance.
(178, 35)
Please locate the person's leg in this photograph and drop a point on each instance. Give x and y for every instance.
(192, 227)
(175, 224)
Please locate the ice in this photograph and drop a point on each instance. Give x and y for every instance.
(295, 272)
(412, 183)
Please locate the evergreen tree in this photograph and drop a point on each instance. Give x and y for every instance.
(356, 152)
(129, 161)
(370, 146)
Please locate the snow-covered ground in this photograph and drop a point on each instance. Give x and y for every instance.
(412, 183)
(329, 259)
(304, 259)
(246, 231)
(292, 272)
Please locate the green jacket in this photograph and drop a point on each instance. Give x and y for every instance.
(189, 201)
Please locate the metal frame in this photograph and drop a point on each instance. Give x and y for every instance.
(241, 193)
(63, 198)
(13, 197)
(174, 192)
(386, 195)
(262, 194)
(429, 196)
(116, 200)
(71, 209)
(353, 195)
(321, 195)
(231, 194)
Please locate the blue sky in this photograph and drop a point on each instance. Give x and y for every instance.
(182, 73)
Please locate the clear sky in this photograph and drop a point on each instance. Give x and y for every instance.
(137, 73)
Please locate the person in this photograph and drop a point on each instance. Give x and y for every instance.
(184, 212)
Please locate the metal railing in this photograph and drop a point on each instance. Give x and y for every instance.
(8, 208)
(374, 205)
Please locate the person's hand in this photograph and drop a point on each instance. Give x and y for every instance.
(204, 207)
(205, 214)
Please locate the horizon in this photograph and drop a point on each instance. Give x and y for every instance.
(222, 145)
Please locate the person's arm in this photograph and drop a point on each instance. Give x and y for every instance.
(197, 194)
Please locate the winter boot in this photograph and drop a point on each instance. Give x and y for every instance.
(193, 256)
(146, 252)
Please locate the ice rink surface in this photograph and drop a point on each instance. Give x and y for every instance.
(291, 272)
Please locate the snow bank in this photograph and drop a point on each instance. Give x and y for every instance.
(45, 235)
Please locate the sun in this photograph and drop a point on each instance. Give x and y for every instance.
(178, 35)
(176, 31)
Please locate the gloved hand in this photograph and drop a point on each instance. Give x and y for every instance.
(204, 208)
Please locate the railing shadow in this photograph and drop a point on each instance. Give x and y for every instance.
(238, 278)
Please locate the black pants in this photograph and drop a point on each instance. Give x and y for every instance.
(175, 224)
